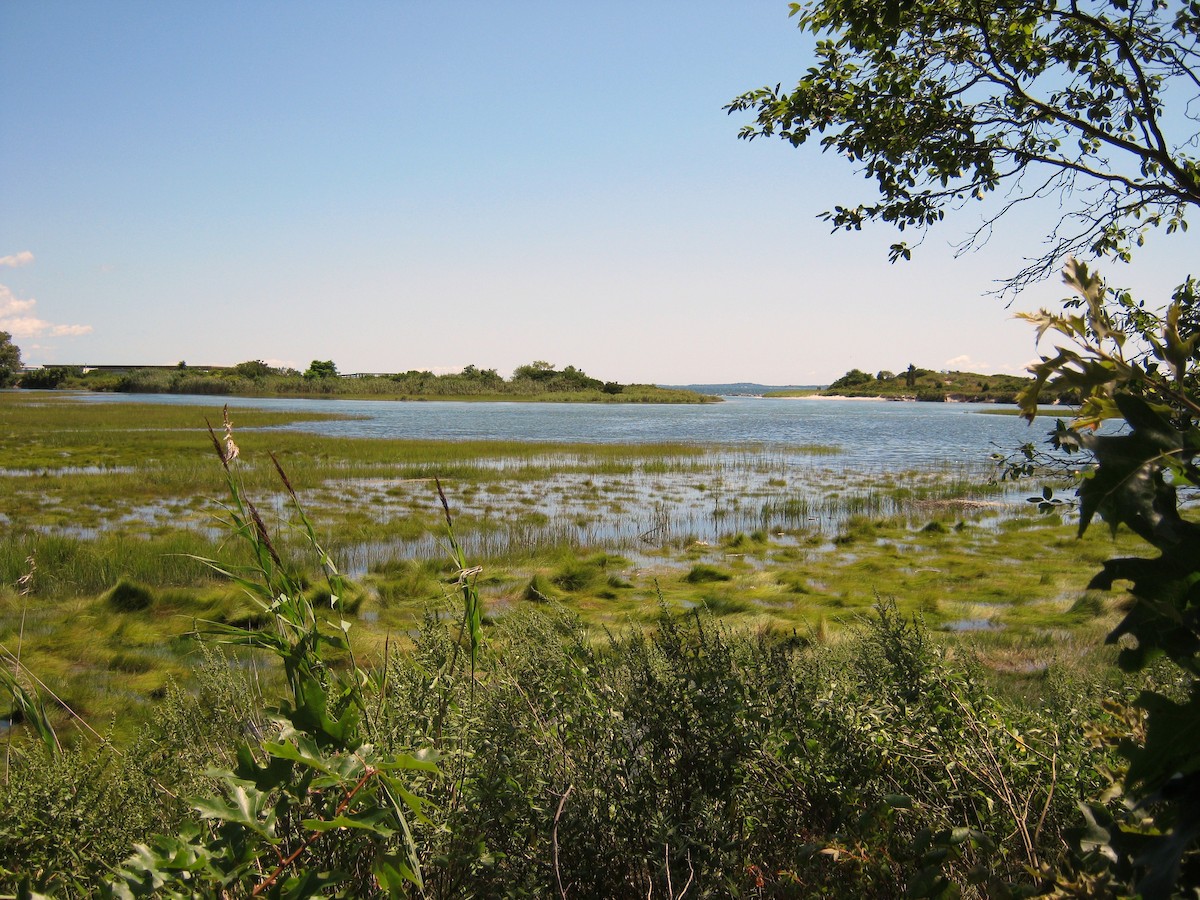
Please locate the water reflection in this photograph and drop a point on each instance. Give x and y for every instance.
(650, 510)
(749, 466)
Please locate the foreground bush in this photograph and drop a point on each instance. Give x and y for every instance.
(733, 764)
(737, 764)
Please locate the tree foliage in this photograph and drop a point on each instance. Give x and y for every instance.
(256, 368)
(944, 101)
(49, 377)
(1093, 104)
(546, 377)
(1141, 368)
(853, 378)
(321, 368)
(537, 370)
(10, 359)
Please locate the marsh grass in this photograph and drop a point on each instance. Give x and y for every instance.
(101, 493)
(734, 707)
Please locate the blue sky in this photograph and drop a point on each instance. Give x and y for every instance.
(421, 185)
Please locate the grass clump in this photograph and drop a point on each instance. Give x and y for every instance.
(349, 599)
(539, 590)
(129, 596)
(702, 573)
(575, 576)
(724, 604)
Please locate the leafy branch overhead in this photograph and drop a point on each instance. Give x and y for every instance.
(941, 103)
(1140, 368)
(1092, 105)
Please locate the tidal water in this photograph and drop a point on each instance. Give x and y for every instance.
(758, 471)
(869, 434)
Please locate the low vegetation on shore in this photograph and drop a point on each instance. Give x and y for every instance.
(539, 381)
(934, 387)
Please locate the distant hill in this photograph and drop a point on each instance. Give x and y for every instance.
(741, 388)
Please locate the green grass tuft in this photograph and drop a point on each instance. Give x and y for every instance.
(129, 596)
(701, 573)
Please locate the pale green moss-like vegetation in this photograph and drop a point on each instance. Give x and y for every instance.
(110, 502)
(671, 637)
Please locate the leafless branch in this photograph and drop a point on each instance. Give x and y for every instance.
(554, 839)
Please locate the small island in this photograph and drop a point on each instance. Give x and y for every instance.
(927, 385)
(537, 381)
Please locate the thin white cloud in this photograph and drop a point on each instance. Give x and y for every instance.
(24, 326)
(15, 318)
(10, 306)
(1021, 369)
(965, 363)
(17, 260)
(69, 330)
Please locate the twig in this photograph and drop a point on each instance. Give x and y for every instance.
(270, 879)
(26, 583)
(671, 895)
(1037, 832)
(554, 839)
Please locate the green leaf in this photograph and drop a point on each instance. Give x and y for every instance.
(1127, 486)
(302, 749)
(277, 772)
(393, 875)
(374, 821)
(1094, 836)
(244, 806)
(425, 761)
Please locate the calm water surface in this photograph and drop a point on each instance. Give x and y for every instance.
(871, 434)
(758, 475)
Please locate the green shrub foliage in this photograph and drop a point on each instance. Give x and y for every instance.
(1141, 367)
(746, 764)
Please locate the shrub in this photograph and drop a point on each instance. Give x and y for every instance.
(736, 758)
(50, 377)
(853, 378)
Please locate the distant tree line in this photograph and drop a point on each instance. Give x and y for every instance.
(930, 386)
(256, 377)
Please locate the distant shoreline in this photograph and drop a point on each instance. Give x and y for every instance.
(928, 386)
(892, 399)
(834, 397)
